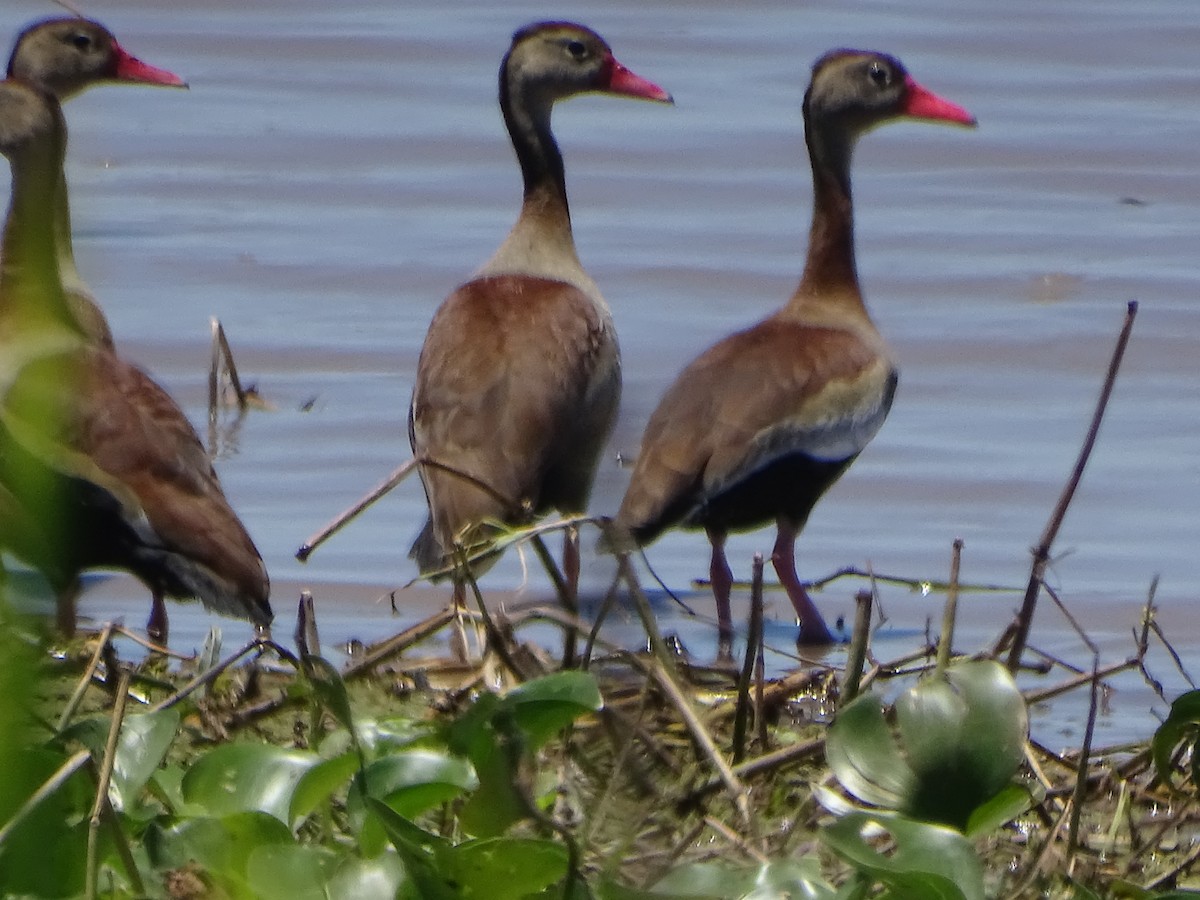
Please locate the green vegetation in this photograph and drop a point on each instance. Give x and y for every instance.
(279, 778)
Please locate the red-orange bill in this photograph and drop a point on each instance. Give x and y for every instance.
(623, 81)
(922, 103)
(130, 68)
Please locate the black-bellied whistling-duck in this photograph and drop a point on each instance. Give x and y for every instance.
(98, 466)
(519, 379)
(65, 57)
(761, 424)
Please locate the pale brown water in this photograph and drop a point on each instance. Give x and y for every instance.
(337, 168)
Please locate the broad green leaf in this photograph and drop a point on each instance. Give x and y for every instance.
(319, 784)
(331, 690)
(221, 846)
(420, 851)
(381, 878)
(1182, 723)
(964, 738)
(546, 705)
(242, 777)
(505, 868)
(143, 744)
(862, 753)
(44, 855)
(409, 783)
(1008, 803)
(929, 862)
(289, 871)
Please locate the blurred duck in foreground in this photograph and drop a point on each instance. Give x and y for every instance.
(756, 428)
(65, 57)
(519, 379)
(98, 466)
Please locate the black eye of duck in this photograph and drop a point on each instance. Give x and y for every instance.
(879, 74)
(577, 49)
(81, 41)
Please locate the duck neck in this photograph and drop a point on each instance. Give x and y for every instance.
(540, 243)
(65, 250)
(31, 290)
(830, 268)
(527, 116)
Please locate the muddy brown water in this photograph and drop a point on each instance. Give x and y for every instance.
(336, 169)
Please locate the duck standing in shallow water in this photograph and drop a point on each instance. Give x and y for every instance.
(759, 426)
(519, 378)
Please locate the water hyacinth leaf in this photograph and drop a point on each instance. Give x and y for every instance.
(143, 743)
(863, 755)
(289, 871)
(319, 784)
(964, 738)
(718, 881)
(928, 862)
(1008, 803)
(381, 878)
(244, 777)
(420, 851)
(505, 868)
(220, 846)
(1182, 724)
(330, 690)
(141, 747)
(412, 782)
(546, 705)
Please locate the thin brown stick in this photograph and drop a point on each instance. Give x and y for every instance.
(742, 706)
(342, 519)
(950, 612)
(399, 643)
(857, 655)
(1041, 553)
(86, 679)
(105, 776)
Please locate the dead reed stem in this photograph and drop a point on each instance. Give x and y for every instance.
(1041, 553)
(342, 519)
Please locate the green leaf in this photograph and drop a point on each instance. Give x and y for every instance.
(143, 744)
(141, 747)
(221, 846)
(863, 755)
(964, 738)
(929, 862)
(1182, 723)
(1011, 801)
(243, 777)
(409, 783)
(381, 878)
(505, 868)
(546, 705)
(420, 850)
(331, 690)
(289, 871)
(319, 784)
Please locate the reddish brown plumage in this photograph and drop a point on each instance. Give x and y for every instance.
(519, 378)
(98, 466)
(760, 425)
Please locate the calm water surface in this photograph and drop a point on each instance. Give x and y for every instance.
(336, 169)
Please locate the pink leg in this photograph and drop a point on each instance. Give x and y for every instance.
(156, 628)
(813, 630)
(722, 584)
